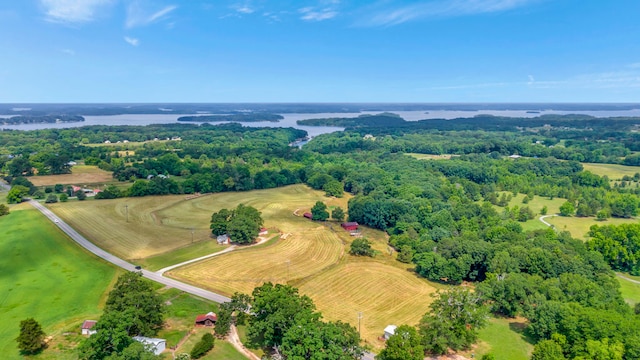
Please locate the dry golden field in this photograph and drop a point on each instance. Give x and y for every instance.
(80, 175)
(160, 224)
(385, 294)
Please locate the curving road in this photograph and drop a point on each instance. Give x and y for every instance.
(155, 276)
(542, 218)
(82, 241)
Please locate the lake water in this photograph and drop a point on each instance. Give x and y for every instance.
(290, 119)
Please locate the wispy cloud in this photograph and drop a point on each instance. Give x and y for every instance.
(72, 11)
(244, 9)
(68, 51)
(323, 10)
(132, 41)
(138, 15)
(385, 15)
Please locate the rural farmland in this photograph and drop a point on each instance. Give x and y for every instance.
(31, 283)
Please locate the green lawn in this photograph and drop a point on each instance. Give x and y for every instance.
(46, 276)
(180, 314)
(179, 255)
(630, 290)
(579, 226)
(504, 339)
(221, 348)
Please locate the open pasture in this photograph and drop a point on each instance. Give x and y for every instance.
(137, 228)
(630, 290)
(613, 171)
(46, 276)
(301, 254)
(579, 226)
(431, 156)
(80, 175)
(505, 339)
(384, 294)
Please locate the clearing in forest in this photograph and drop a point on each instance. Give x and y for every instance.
(613, 171)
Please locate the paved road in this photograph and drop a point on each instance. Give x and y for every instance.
(4, 186)
(155, 276)
(82, 241)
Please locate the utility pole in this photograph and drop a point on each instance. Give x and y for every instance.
(359, 319)
(192, 235)
(126, 210)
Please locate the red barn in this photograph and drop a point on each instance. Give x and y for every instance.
(308, 215)
(208, 319)
(350, 226)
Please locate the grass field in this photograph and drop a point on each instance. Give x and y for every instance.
(579, 227)
(384, 294)
(536, 205)
(630, 290)
(431, 157)
(221, 349)
(504, 339)
(161, 224)
(614, 172)
(45, 276)
(80, 175)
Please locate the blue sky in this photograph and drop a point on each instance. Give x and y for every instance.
(319, 51)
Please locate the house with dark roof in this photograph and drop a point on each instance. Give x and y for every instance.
(208, 319)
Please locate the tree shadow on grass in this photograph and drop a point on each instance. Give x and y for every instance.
(522, 328)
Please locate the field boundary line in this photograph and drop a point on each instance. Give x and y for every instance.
(103, 254)
(161, 272)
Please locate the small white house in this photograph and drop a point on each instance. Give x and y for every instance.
(155, 345)
(87, 327)
(389, 331)
(223, 239)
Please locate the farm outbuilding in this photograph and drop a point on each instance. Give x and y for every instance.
(208, 319)
(389, 331)
(308, 215)
(155, 345)
(350, 226)
(223, 239)
(87, 327)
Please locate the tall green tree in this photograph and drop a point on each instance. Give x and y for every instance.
(16, 194)
(277, 308)
(361, 247)
(319, 211)
(453, 321)
(405, 344)
(31, 337)
(337, 214)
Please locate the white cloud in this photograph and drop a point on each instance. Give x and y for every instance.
(132, 41)
(72, 11)
(532, 80)
(68, 51)
(245, 9)
(314, 14)
(137, 15)
(389, 16)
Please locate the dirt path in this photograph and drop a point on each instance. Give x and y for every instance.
(261, 240)
(234, 339)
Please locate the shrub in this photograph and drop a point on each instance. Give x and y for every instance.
(203, 346)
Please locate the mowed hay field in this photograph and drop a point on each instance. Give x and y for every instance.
(45, 275)
(385, 295)
(80, 175)
(303, 253)
(160, 224)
